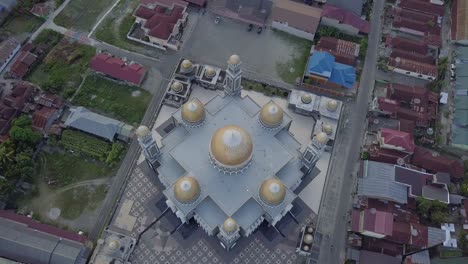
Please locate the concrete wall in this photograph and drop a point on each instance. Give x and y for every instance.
(342, 27)
(293, 31)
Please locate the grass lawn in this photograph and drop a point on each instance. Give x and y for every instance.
(67, 169)
(82, 14)
(113, 98)
(74, 202)
(16, 24)
(62, 69)
(294, 67)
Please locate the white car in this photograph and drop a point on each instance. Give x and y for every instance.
(217, 19)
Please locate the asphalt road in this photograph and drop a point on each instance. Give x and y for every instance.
(332, 222)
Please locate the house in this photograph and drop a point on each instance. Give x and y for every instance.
(434, 162)
(413, 68)
(25, 240)
(345, 52)
(423, 7)
(5, 8)
(369, 257)
(42, 119)
(160, 22)
(459, 21)
(409, 45)
(418, 24)
(41, 9)
(98, 125)
(114, 67)
(23, 63)
(373, 223)
(12, 105)
(353, 6)
(396, 140)
(8, 50)
(253, 12)
(296, 18)
(322, 69)
(344, 20)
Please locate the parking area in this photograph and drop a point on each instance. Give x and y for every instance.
(261, 53)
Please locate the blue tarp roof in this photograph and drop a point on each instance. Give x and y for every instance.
(323, 64)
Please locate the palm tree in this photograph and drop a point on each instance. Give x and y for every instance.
(6, 154)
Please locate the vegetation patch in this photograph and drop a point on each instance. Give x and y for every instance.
(294, 67)
(81, 14)
(266, 89)
(20, 23)
(63, 68)
(113, 98)
(74, 202)
(62, 169)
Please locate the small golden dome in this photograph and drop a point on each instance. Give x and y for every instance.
(210, 72)
(321, 137)
(113, 245)
(231, 146)
(327, 128)
(186, 64)
(332, 105)
(234, 59)
(230, 225)
(272, 191)
(142, 131)
(271, 115)
(308, 239)
(186, 189)
(306, 98)
(177, 86)
(193, 111)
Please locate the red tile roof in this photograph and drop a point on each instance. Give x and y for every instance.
(430, 160)
(412, 56)
(41, 9)
(344, 51)
(413, 66)
(372, 220)
(346, 17)
(41, 117)
(387, 155)
(22, 64)
(398, 139)
(117, 68)
(422, 6)
(51, 230)
(6, 48)
(408, 45)
(297, 15)
(162, 17)
(411, 94)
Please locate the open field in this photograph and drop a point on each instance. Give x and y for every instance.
(63, 68)
(15, 24)
(74, 202)
(126, 103)
(81, 15)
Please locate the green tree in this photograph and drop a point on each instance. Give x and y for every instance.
(25, 135)
(463, 240)
(363, 49)
(464, 188)
(438, 217)
(424, 206)
(22, 121)
(6, 155)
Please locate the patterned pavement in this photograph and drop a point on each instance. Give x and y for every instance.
(189, 244)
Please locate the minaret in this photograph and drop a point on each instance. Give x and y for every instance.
(233, 76)
(314, 151)
(148, 144)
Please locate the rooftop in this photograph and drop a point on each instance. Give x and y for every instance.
(414, 66)
(346, 17)
(432, 161)
(117, 68)
(398, 139)
(323, 64)
(297, 15)
(423, 6)
(248, 11)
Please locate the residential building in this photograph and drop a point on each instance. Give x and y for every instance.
(459, 136)
(413, 68)
(107, 128)
(459, 21)
(253, 12)
(116, 68)
(5, 8)
(423, 7)
(373, 223)
(344, 20)
(160, 23)
(406, 44)
(323, 70)
(48, 111)
(369, 257)
(353, 6)
(434, 162)
(396, 140)
(296, 18)
(23, 63)
(8, 50)
(25, 240)
(344, 51)
(41, 9)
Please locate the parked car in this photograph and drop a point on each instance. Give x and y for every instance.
(217, 19)
(259, 30)
(250, 27)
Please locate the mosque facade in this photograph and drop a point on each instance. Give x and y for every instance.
(230, 164)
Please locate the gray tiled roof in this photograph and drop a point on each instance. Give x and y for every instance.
(82, 119)
(20, 243)
(379, 182)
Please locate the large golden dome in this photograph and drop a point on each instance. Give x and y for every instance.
(234, 59)
(186, 189)
(271, 115)
(272, 192)
(193, 111)
(230, 225)
(231, 146)
(142, 131)
(332, 105)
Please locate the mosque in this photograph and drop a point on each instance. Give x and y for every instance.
(230, 164)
